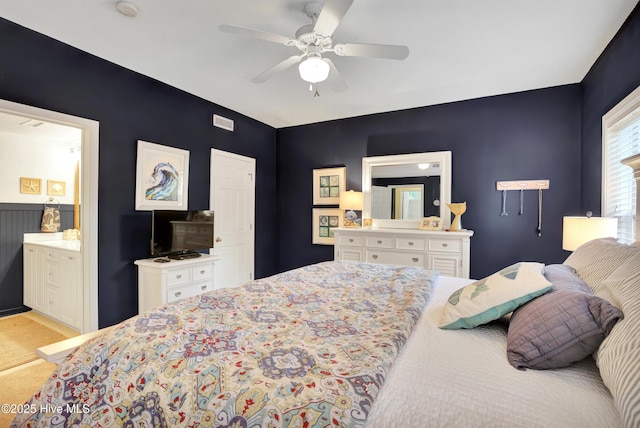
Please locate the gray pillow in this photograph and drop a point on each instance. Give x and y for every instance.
(560, 327)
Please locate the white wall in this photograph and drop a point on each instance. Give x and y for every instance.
(36, 157)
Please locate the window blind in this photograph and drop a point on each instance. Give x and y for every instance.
(622, 140)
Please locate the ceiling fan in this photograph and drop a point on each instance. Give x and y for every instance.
(314, 40)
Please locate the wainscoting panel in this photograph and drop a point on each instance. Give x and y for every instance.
(15, 221)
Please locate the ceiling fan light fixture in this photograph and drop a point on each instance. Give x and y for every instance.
(314, 69)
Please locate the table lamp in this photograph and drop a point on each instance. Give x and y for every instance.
(578, 230)
(352, 203)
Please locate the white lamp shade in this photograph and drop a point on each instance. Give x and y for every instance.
(314, 69)
(351, 200)
(578, 230)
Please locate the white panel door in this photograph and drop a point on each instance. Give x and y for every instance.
(233, 201)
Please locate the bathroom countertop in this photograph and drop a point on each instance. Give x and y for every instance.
(52, 240)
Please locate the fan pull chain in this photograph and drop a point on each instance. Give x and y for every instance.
(313, 87)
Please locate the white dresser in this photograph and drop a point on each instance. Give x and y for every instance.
(161, 283)
(446, 252)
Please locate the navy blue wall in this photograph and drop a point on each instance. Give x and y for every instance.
(39, 71)
(16, 220)
(613, 76)
(551, 133)
(528, 135)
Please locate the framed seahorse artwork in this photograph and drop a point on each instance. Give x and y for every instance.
(162, 177)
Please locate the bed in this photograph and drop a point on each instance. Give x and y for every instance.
(345, 344)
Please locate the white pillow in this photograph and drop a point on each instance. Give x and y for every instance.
(595, 260)
(494, 296)
(618, 356)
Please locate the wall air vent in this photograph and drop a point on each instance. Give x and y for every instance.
(32, 123)
(222, 122)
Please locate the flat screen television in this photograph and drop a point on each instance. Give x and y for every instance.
(181, 234)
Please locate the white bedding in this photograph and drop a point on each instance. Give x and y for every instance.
(461, 378)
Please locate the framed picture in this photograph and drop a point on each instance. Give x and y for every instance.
(430, 223)
(56, 188)
(30, 186)
(327, 185)
(162, 177)
(325, 220)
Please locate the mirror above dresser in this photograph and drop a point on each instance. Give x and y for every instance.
(399, 190)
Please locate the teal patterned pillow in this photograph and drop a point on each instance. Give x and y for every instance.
(494, 296)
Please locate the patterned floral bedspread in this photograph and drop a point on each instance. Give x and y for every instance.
(309, 347)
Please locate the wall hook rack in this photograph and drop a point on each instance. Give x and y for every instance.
(523, 185)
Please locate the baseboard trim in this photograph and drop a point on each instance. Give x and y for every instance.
(13, 311)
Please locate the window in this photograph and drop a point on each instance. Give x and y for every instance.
(621, 139)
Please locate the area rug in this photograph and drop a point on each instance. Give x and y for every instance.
(20, 336)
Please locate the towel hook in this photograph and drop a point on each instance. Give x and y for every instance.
(50, 202)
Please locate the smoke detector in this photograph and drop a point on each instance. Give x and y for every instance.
(127, 9)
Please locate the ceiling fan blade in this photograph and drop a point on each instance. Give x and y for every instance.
(256, 34)
(335, 80)
(330, 16)
(370, 50)
(281, 66)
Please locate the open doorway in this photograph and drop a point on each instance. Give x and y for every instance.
(88, 197)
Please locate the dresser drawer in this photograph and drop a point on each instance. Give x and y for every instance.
(352, 240)
(448, 245)
(202, 272)
(411, 244)
(178, 276)
(396, 258)
(189, 290)
(380, 242)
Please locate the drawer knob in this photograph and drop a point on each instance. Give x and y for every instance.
(204, 287)
(379, 241)
(350, 239)
(415, 260)
(201, 272)
(178, 276)
(178, 293)
(445, 245)
(410, 243)
(218, 239)
(374, 257)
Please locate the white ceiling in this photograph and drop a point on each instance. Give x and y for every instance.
(459, 49)
(36, 128)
